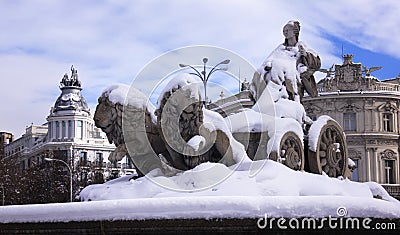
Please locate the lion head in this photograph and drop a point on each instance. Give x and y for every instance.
(108, 117)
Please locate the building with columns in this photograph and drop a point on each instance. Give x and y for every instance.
(70, 132)
(368, 110)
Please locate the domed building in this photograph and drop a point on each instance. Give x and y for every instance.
(69, 135)
(70, 118)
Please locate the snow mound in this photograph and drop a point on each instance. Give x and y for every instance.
(212, 190)
(215, 179)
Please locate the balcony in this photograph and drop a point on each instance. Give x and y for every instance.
(393, 190)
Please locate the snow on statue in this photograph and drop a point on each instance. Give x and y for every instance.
(192, 150)
(289, 69)
(177, 136)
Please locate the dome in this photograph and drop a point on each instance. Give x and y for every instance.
(71, 97)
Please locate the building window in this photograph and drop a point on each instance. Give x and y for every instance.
(354, 174)
(57, 130)
(389, 171)
(63, 129)
(99, 159)
(83, 158)
(349, 120)
(387, 122)
(50, 130)
(79, 129)
(70, 129)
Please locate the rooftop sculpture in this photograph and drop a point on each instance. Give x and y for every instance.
(71, 98)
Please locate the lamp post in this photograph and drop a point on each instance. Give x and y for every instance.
(70, 173)
(203, 74)
(2, 190)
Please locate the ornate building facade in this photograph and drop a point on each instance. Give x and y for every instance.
(70, 132)
(368, 111)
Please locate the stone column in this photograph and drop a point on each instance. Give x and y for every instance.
(368, 164)
(376, 168)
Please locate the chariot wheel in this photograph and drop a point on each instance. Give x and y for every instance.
(331, 150)
(291, 152)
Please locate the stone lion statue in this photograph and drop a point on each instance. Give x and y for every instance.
(180, 123)
(178, 140)
(130, 137)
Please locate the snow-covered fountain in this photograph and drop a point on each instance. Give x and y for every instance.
(193, 163)
(273, 149)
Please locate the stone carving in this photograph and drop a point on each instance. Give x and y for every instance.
(367, 71)
(351, 76)
(189, 126)
(72, 81)
(313, 109)
(354, 154)
(157, 145)
(350, 107)
(388, 155)
(387, 107)
(191, 134)
(290, 67)
(71, 98)
(387, 142)
(108, 117)
(355, 142)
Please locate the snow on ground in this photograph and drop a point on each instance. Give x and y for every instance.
(213, 190)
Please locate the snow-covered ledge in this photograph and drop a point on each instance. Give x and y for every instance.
(206, 193)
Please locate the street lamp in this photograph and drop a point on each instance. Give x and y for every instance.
(70, 173)
(203, 74)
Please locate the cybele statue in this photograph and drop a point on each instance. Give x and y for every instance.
(180, 133)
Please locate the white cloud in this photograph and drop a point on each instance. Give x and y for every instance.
(110, 42)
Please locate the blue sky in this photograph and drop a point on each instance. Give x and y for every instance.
(112, 41)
